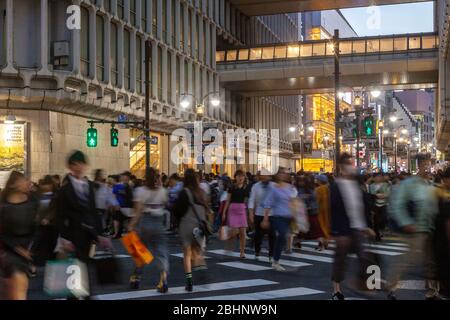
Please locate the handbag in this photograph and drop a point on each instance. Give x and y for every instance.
(204, 225)
(64, 278)
(137, 250)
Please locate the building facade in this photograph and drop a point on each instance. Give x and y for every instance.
(64, 62)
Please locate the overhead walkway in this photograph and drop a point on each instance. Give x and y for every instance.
(267, 7)
(407, 61)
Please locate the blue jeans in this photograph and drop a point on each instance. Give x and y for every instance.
(280, 227)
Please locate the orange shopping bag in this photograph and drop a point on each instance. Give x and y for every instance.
(140, 254)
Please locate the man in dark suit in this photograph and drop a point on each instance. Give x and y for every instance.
(79, 225)
(350, 211)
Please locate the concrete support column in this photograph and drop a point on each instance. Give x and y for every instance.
(154, 70)
(177, 24)
(173, 76)
(159, 15)
(165, 76)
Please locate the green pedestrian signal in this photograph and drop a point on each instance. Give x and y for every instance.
(114, 137)
(369, 126)
(91, 137)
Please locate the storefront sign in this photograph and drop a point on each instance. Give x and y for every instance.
(12, 150)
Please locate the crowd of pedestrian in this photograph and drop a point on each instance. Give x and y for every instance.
(56, 218)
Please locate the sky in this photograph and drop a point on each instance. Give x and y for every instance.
(392, 19)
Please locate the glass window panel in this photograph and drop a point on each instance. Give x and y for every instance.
(220, 56)
(359, 46)
(293, 51)
(243, 54)
(330, 49)
(386, 45)
(345, 47)
(319, 49)
(400, 44)
(373, 45)
(231, 55)
(414, 43)
(267, 53)
(306, 50)
(100, 47)
(280, 52)
(255, 54)
(429, 42)
(84, 39)
(114, 60)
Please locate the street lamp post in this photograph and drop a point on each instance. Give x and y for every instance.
(302, 152)
(336, 98)
(395, 153)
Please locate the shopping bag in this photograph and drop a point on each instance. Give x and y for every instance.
(300, 216)
(137, 250)
(225, 233)
(107, 268)
(66, 278)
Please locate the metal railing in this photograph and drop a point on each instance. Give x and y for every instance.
(325, 48)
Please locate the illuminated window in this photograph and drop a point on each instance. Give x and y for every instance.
(414, 43)
(280, 52)
(267, 53)
(220, 56)
(293, 51)
(400, 44)
(243, 54)
(231, 55)
(386, 45)
(345, 47)
(359, 46)
(429, 42)
(306, 50)
(319, 49)
(373, 45)
(255, 54)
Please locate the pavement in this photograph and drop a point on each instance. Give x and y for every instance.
(229, 277)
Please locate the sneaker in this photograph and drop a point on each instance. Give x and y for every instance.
(277, 267)
(338, 296)
(189, 287)
(162, 287)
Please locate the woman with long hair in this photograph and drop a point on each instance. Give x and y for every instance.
(190, 210)
(18, 211)
(150, 201)
(235, 211)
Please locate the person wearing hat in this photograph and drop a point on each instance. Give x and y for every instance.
(79, 225)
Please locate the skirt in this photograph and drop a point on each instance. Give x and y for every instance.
(237, 215)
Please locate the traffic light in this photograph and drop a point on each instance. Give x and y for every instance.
(114, 137)
(91, 137)
(369, 126)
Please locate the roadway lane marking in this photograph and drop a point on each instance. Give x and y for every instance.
(288, 263)
(379, 246)
(119, 256)
(180, 255)
(411, 285)
(265, 295)
(244, 266)
(305, 256)
(181, 290)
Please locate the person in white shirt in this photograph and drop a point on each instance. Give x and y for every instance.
(150, 203)
(257, 195)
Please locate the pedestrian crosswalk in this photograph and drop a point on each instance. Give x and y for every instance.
(265, 295)
(217, 286)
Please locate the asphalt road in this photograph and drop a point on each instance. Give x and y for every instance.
(230, 278)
